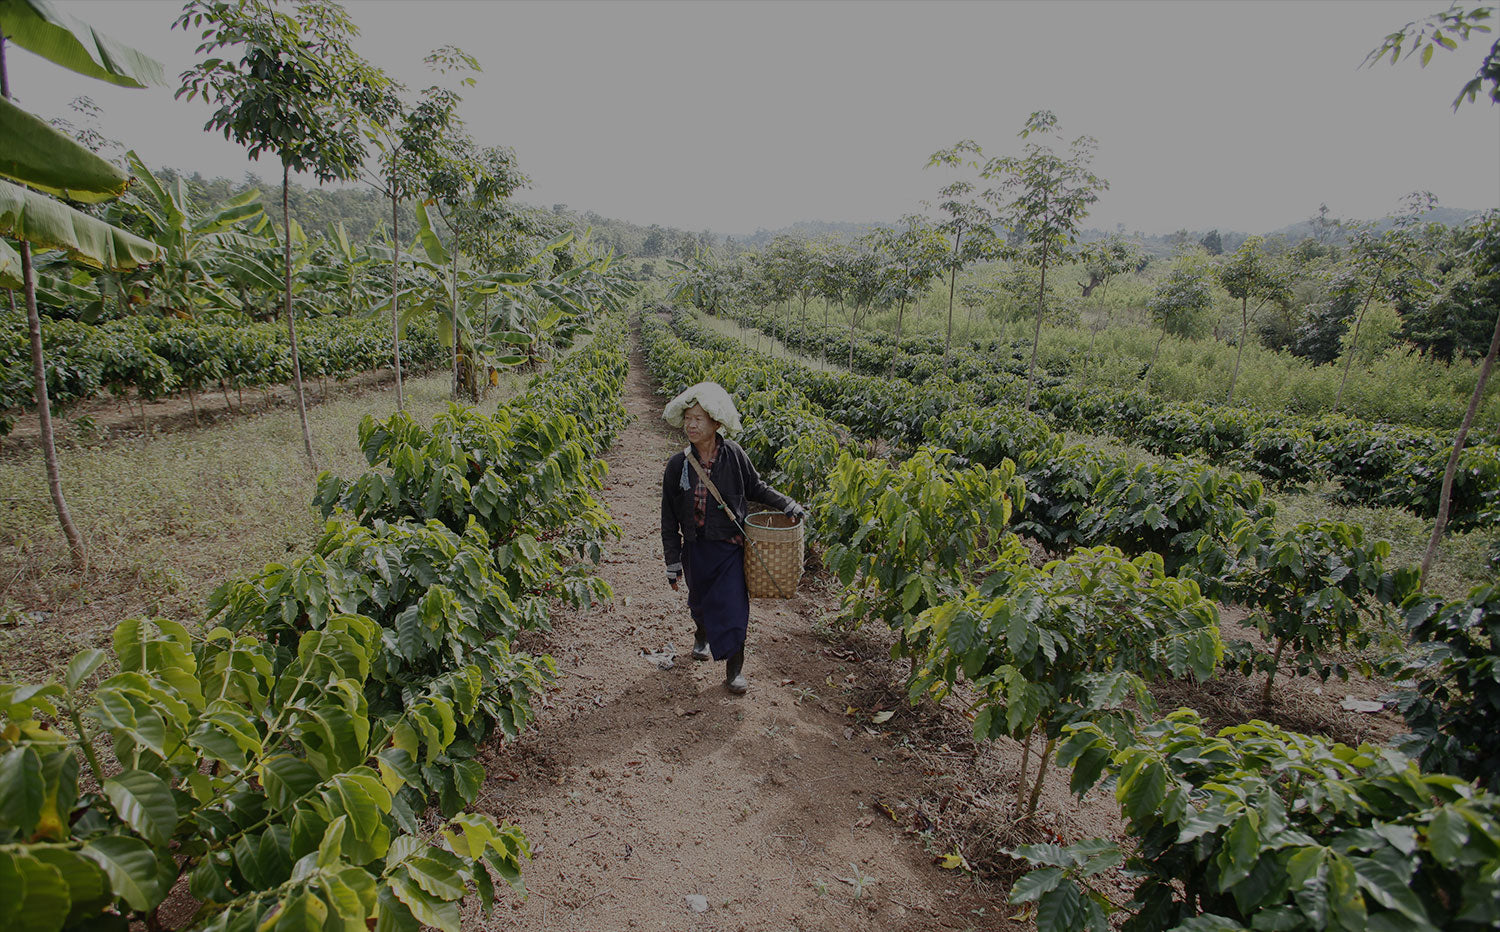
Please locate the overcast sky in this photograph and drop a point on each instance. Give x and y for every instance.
(736, 116)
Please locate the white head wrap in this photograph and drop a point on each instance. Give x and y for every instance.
(714, 399)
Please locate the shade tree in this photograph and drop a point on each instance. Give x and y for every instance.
(913, 256)
(969, 224)
(410, 135)
(1249, 274)
(1423, 38)
(1178, 301)
(1043, 196)
(193, 241)
(288, 85)
(1373, 257)
(1447, 311)
(1104, 260)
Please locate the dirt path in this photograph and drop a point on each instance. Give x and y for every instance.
(642, 787)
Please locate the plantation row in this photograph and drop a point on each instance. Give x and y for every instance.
(284, 757)
(151, 357)
(1376, 464)
(1315, 586)
(1267, 828)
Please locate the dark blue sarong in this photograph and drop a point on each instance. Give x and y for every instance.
(717, 597)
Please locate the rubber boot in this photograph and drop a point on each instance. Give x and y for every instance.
(734, 680)
(700, 644)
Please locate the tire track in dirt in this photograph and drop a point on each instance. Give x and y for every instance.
(640, 787)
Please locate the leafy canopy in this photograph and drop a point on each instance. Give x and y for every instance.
(297, 89)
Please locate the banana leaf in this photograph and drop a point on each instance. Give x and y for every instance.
(58, 292)
(559, 242)
(34, 152)
(49, 224)
(428, 236)
(10, 266)
(35, 25)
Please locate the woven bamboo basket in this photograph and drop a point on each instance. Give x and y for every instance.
(773, 555)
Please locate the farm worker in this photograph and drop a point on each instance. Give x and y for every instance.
(698, 539)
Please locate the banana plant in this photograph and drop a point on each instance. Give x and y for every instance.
(45, 162)
(255, 269)
(343, 271)
(192, 244)
(544, 307)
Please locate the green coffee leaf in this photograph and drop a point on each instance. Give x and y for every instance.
(21, 792)
(427, 908)
(41, 897)
(134, 873)
(1031, 886)
(145, 803)
(83, 665)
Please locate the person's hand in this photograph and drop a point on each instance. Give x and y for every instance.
(674, 573)
(796, 512)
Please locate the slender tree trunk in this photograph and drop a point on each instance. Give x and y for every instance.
(395, 300)
(1041, 776)
(1240, 350)
(823, 339)
(44, 408)
(224, 389)
(1354, 341)
(853, 316)
(454, 301)
(1265, 698)
(1036, 339)
(1446, 495)
(896, 350)
(1025, 765)
(1146, 376)
(952, 282)
(193, 400)
(291, 320)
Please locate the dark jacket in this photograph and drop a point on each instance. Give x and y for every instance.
(735, 478)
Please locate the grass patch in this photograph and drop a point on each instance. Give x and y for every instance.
(169, 517)
(1462, 559)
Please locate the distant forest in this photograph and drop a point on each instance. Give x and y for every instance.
(363, 211)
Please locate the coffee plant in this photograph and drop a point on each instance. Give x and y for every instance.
(1259, 828)
(1075, 640)
(259, 775)
(1453, 703)
(142, 358)
(1316, 588)
(905, 537)
(1383, 464)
